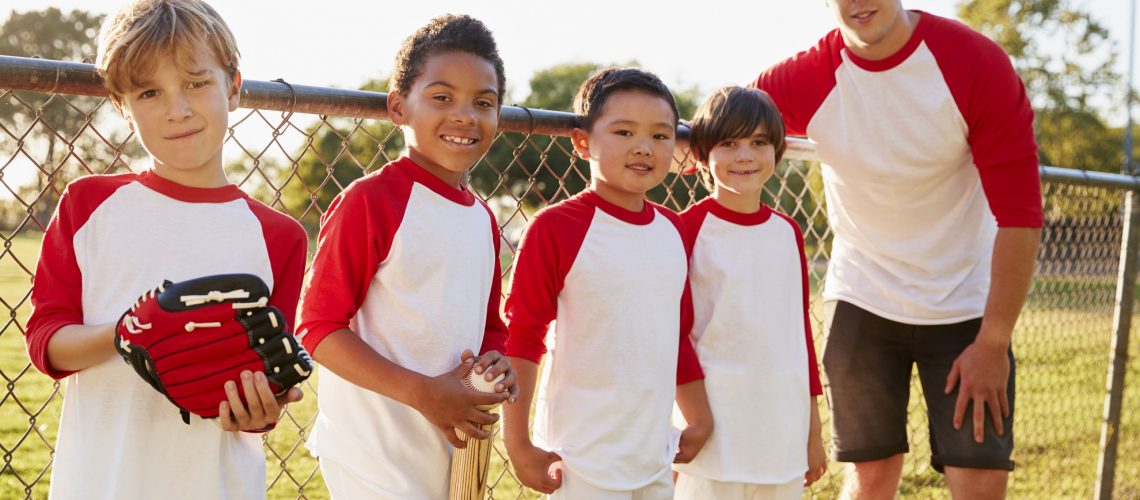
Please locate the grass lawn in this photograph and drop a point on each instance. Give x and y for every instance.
(1062, 346)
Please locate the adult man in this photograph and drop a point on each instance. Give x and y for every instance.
(930, 173)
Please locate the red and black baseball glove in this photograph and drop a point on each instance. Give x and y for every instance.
(188, 339)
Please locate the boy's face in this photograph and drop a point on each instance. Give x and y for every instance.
(741, 166)
(450, 113)
(181, 117)
(630, 147)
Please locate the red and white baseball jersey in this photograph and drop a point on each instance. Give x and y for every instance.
(113, 238)
(614, 283)
(922, 151)
(410, 264)
(753, 337)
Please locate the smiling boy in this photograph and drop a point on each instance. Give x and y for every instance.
(405, 281)
(609, 268)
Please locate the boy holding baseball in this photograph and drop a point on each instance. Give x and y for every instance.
(610, 269)
(170, 68)
(750, 303)
(405, 282)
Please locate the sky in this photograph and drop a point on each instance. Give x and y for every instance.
(344, 43)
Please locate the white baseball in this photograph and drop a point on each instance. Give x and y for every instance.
(477, 383)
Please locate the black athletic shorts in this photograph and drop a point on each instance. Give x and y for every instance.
(868, 362)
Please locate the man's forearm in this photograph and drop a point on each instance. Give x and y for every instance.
(1014, 257)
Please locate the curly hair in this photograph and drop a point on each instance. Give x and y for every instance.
(592, 95)
(446, 33)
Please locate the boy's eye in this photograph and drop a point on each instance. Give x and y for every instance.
(441, 98)
(624, 133)
(761, 142)
(198, 84)
(727, 144)
(485, 103)
(147, 94)
(663, 137)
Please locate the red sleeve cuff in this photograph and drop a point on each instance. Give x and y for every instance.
(522, 344)
(37, 348)
(312, 334)
(688, 366)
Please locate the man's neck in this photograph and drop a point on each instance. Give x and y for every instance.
(895, 39)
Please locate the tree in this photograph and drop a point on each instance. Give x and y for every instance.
(1066, 59)
(54, 119)
(339, 151)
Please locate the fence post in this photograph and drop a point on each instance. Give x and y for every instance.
(1125, 285)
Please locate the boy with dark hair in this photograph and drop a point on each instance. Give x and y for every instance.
(609, 268)
(170, 67)
(750, 306)
(405, 281)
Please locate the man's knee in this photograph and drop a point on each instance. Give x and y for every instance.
(983, 484)
(873, 479)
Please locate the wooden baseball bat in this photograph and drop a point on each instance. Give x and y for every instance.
(469, 467)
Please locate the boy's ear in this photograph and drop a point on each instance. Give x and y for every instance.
(235, 91)
(396, 108)
(581, 141)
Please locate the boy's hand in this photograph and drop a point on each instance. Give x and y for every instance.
(536, 468)
(450, 406)
(693, 438)
(264, 408)
(490, 365)
(817, 459)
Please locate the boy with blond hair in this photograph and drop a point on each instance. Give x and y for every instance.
(609, 268)
(170, 67)
(750, 307)
(405, 282)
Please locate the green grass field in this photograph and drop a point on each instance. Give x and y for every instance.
(1062, 346)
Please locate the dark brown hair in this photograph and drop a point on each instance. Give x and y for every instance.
(592, 95)
(734, 113)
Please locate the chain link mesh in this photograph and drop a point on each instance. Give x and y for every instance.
(298, 163)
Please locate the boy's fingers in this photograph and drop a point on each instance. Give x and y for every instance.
(252, 399)
(236, 407)
(225, 418)
(265, 395)
(481, 417)
(471, 430)
(449, 433)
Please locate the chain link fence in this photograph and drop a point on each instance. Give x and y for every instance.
(55, 127)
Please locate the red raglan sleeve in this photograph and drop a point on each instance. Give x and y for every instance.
(798, 85)
(57, 289)
(688, 366)
(537, 280)
(356, 234)
(288, 246)
(813, 363)
(999, 119)
(495, 332)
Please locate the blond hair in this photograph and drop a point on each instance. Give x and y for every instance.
(132, 40)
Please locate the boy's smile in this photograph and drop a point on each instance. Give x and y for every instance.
(629, 148)
(181, 116)
(450, 113)
(740, 167)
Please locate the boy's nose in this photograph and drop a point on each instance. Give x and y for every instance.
(463, 114)
(178, 108)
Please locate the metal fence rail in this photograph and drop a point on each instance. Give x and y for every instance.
(295, 147)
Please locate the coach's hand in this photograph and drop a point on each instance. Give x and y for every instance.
(982, 373)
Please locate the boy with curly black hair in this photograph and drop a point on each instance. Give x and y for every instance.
(405, 282)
